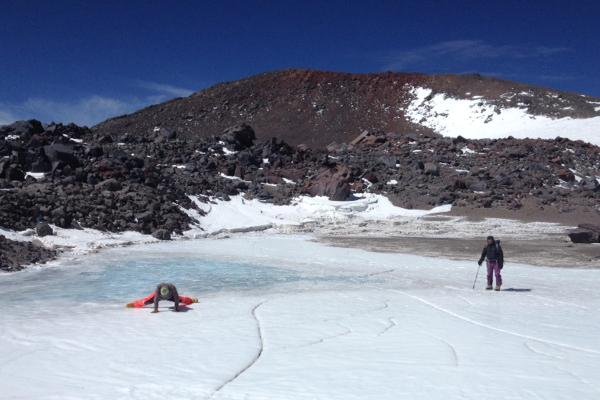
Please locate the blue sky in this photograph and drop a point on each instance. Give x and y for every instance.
(85, 61)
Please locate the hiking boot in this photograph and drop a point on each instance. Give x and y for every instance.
(488, 287)
(497, 288)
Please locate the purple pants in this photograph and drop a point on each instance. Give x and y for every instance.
(494, 268)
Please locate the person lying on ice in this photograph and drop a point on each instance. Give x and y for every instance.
(164, 291)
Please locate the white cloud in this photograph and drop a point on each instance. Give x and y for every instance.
(557, 78)
(90, 110)
(6, 117)
(164, 89)
(460, 51)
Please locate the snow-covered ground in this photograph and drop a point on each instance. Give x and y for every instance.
(283, 317)
(477, 119)
(368, 215)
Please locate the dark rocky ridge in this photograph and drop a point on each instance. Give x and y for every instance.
(317, 108)
(17, 254)
(139, 178)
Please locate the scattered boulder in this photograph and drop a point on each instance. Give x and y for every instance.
(43, 229)
(566, 175)
(479, 186)
(112, 185)
(388, 161)
(164, 134)
(241, 136)
(162, 234)
(583, 236)
(430, 168)
(61, 153)
(11, 172)
(585, 233)
(332, 183)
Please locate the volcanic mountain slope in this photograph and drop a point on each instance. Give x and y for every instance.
(318, 108)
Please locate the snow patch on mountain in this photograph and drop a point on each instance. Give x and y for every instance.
(477, 118)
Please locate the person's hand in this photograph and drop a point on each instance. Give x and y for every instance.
(175, 310)
(154, 312)
(479, 263)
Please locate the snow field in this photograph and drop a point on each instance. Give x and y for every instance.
(336, 323)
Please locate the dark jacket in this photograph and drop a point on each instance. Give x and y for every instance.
(492, 252)
(172, 296)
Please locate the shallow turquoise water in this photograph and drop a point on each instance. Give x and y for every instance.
(128, 274)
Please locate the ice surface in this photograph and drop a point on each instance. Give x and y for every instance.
(282, 317)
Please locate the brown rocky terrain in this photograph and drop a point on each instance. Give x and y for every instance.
(550, 252)
(342, 134)
(318, 108)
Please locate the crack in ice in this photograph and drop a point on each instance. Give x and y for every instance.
(348, 331)
(392, 325)
(471, 321)
(452, 348)
(254, 360)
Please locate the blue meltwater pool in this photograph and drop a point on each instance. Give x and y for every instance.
(121, 275)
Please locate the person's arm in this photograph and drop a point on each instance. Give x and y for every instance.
(500, 257)
(176, 299)
(482, 256)
(157, 295)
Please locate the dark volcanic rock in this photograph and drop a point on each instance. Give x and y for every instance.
(583, 236)
(162, 234)
(332, 183)
(43, 229)
(143, 186)
(14, 256)
(112, 185)
(61, 153)
(241, 136)
(585, 233)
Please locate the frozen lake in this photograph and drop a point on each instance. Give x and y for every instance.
(282, 317)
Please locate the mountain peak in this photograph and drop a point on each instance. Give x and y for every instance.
(317, 108)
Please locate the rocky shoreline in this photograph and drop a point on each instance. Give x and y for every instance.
(74, 178)
(16, 255)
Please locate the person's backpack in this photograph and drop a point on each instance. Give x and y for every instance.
(499, 250)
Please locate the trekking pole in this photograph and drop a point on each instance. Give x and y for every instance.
(476, 276)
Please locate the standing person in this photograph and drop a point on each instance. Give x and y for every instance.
(495, 261)
(164, 291)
